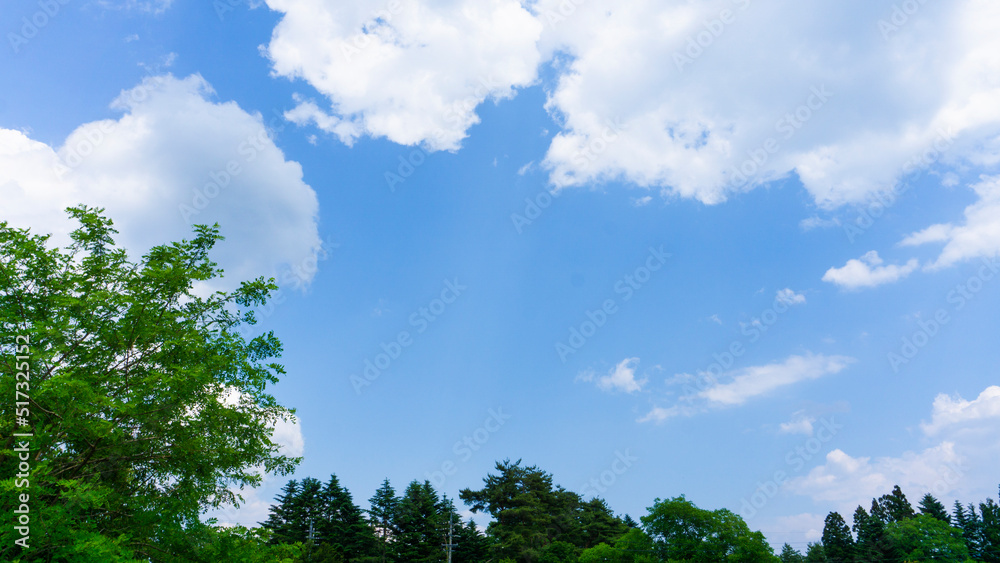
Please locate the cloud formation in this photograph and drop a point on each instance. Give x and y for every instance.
(644, 92)
(744, 384)
(978, 237)
(868, 271)
(412, 72)
(173, 159)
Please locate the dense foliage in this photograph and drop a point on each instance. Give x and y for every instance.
(144, 404)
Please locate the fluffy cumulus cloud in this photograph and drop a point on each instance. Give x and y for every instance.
(666, 95)
(620, 378)
(951, 412)
(707, 391)
(951, 467)
(868, 271)
(173, 159)
(409, 71)
(978, 237)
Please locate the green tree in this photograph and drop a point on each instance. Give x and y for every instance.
(892, 507)
(382, 514)
(871, 544)
(147, 405)
(681, 531)
(989, 531)
(925, 538)
(341, 524)
(421, 527)
(529, 513)
(933, 507)
(790, 555)
(815, 553)
(837, 541)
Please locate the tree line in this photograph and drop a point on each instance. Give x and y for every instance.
(536, 521)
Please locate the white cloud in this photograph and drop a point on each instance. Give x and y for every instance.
(620, 378)
(850, 110)
(412, 72)
(954, 411)
(789, 297)
(687, 129)
(849, 481)
(978, 237)
(757, 380)
(744, 384)
(801, 423)
(815, 222)
(868, 271)
(958, 465)
(156, 169)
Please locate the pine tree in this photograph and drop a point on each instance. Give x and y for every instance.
(894, 507)
(933, 507)
(816, 554)
(989, 531)
(382, 514)
(341, 524)
(790, 555)
(282, 515)
(419, 522)
(837, 541)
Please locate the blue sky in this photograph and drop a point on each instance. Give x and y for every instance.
(385, 160)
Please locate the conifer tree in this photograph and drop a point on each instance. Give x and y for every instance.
(837, 541)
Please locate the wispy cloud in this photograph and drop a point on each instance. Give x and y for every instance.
(745, 384)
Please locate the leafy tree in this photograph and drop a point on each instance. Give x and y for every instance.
(681, 531)
(925, 538)
(790, 555)
(837, 541)
(558, 552)
(147, 405)
(633, 547)
(933, 507)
